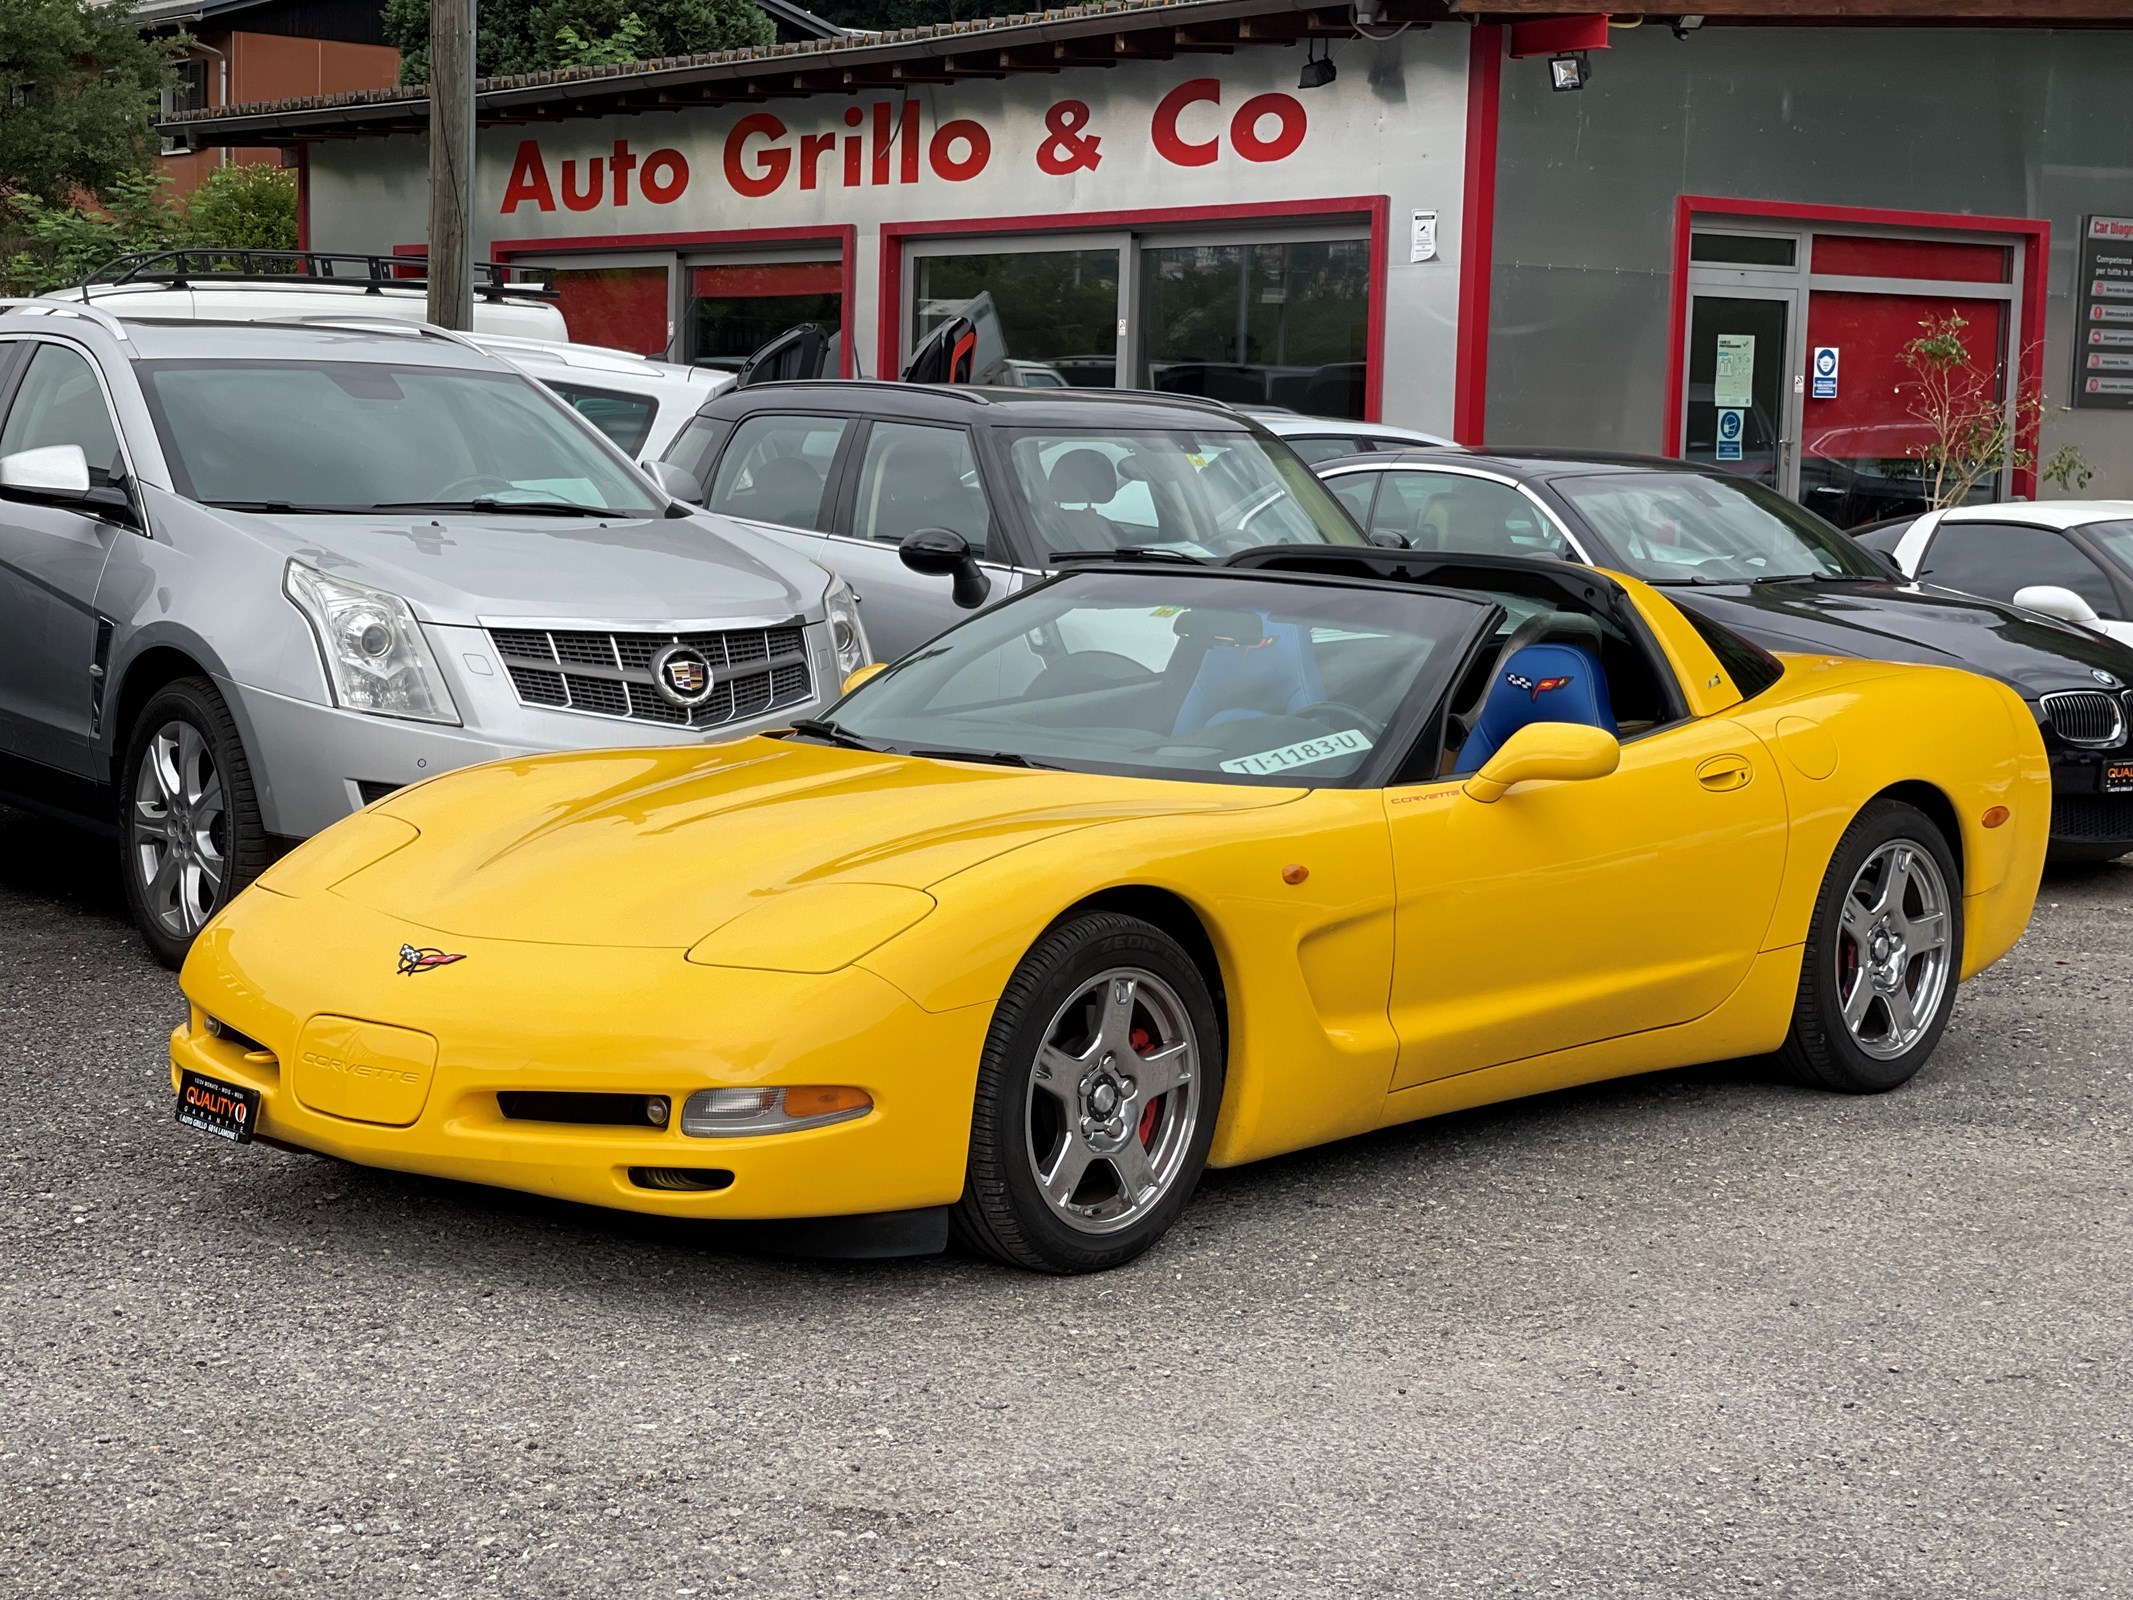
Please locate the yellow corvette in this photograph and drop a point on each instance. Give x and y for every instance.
(1150, 867)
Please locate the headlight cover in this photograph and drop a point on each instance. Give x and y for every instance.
(848, 635)
(376, 658)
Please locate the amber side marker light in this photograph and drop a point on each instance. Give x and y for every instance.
(724, 1113)
(1996, 816)
(1294, 875)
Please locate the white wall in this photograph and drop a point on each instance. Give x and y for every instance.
(1391, 124)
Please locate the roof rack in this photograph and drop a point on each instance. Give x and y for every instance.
(61, 308)
(176, 269)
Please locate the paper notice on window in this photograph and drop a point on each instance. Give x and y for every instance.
(1347, 742)
(1734, 383)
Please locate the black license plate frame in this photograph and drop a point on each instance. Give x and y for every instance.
(217, 1107)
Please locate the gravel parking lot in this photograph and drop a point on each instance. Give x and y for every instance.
(1691, 1335)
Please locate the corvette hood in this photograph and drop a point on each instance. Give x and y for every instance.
(1914, 623)
(661, 847)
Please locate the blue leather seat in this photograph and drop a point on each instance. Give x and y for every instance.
(1548, 682)
(1267, 676)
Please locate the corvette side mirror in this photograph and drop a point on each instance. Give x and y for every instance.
(1561, 752)
(943, 553)
(855, 679)
(2054, 601)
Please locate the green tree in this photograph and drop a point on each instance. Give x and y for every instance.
(240, 207)
(244, 207)
(538, 35)
(78, 87)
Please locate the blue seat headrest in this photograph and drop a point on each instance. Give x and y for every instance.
(1249, 672)
(1539, 683)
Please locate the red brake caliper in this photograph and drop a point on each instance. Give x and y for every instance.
(1142, 1042)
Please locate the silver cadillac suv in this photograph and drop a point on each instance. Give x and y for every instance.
(255, 576)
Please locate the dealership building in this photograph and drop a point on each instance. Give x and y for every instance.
(1707, 234)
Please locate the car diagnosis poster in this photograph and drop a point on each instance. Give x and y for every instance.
(2103, 337)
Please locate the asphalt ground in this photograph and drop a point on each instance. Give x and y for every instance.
(1695, 1334)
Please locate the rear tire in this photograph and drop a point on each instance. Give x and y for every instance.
(1097, 1096)
(190, 834)
(1883, 955)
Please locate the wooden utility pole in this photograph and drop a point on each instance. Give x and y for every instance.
(451, 161)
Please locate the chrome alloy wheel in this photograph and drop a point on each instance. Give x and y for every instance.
(180, 829)
(1892, 949)
(1113, 1100)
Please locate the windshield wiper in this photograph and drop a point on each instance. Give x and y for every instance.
(1820, 577)
(286, 506)
(489, 504)
(1699, 581)
(1125, 552)
(993, 758)
(823, 729)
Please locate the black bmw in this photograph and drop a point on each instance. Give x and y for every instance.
(1753, 561)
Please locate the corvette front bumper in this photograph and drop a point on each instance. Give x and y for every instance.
(354, 1058)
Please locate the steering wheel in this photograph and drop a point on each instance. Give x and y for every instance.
(1359, 719)
(473, 484)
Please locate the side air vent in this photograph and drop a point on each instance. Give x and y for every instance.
(2087, 717)
(593, 1110)
(700, 1180)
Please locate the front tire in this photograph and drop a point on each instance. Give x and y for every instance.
(1096, 1101)
(189, 827)
(1883, 955)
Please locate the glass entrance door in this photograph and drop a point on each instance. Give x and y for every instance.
(1740, 403)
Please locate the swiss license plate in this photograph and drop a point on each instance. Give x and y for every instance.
(226, 1110)
(2118, 777)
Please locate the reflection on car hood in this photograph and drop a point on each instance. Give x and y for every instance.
(659, 847)
(1914, 623)
(458, 568)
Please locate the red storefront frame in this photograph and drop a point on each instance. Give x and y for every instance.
(844, 236)
(2032, 235)
(1373, 209)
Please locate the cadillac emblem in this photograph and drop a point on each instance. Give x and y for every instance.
(683, 675)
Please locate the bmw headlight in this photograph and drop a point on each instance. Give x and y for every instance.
(847, 633)
(376, 658)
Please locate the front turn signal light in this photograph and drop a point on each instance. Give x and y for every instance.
(726, 1113)
(1996, 816)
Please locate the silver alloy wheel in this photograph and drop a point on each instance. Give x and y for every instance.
(1113, 1100)
(180, 829)
(1892, 949)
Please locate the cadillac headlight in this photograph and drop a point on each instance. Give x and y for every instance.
(376, 658)
(847, 633)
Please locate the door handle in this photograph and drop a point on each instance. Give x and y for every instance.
(1722, 774)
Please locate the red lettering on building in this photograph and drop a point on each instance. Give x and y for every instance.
(574, 198)
(620, 165)
(1244, 127)
(529, 180)
(813, 147)
(774, 162)
(977, 143)
(664, 177)
(1163, 129)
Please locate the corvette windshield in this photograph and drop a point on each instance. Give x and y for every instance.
(367, 435)
(1172, 674)
(1672, 526)
(1202, 494)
